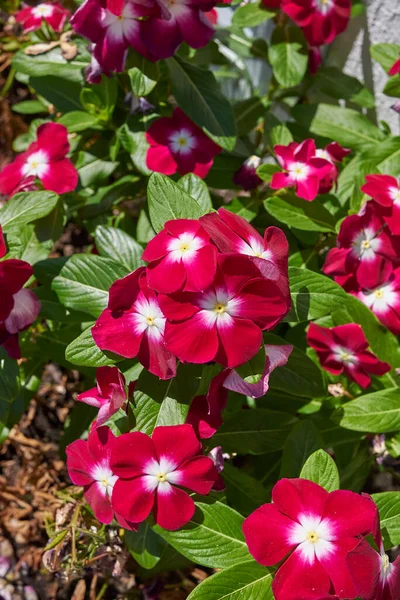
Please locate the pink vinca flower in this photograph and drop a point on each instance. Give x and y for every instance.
(178, 145)
(181, 257)
(384, 301)
(333, 153)
(395, 69)
(32, 17)
(385, 190)
(202, 327)
(366, 250)
(302, 169)
(19, 307)
(375, 577)
(46, 160)
(108, 396)
(343, 349)
(246, 177)
(133, 325)
(152, 471)
(320, 20)
(313, 531)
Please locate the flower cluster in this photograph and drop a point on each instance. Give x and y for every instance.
(309, 170)
(32, 17)
(132, 475)
(153, 29)
(320, 537)
(208, 283)
(19, 307)
(366, 261)
(45, 160)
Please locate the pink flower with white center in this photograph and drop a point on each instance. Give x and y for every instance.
(302, 169)
(313, 531)
(247, 176)
(133, 325)
(32, 17)
(375, 577)
(109, 395)
(151, 468)
(384, 301)
(45, 160)
(385, 190)
(333, 153)
(202, 327)
(395, 69)
(344, 349)
(365, 250)
(181, 257)
(320, 20)
(178, 145)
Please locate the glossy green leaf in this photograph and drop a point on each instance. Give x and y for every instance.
(304, 439)
(321, 468)
(119, 246)
(388, 504)
(84, 352)
(26, 207)
(294, 212)
(377, 412)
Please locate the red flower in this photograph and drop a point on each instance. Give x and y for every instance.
(3, 247)
(365, 250)
(303, 170)
(333, 153)
(19, 307)
(32, 17)
(181, 258)
(108, 396)
(133, 325)
(318, 529)
(385, 190)
(375, 577)
(343, 349)
(395, 69)
(44, 159)
(314, 59)
(320, 20)
(384, 301)
(246, 177)
(271, 3)
(151, 468)
(240, 303)
(178, 145)
(212, 16)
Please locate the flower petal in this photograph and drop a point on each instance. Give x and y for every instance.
(79, 462)
(131, 453)
(197, 474)
(295, 497)
(132, 498)
(99, 502)
(350, 513)
(300, 580)
(176, 443)
(173, 508)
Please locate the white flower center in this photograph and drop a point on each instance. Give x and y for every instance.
(42, 10)
(382, 298)
(104, 476)
(253, 162)
(119, 26)
(254, 247)
(148, 317)
(299, 171)
(218, 307)
(161, 474)
(394, 193)
(36, 165)
(366, 244)
(320, 153)
(182, 142)
(344, 356)
(314, 537)
(184, 247)
(386, 568)
(324, 6)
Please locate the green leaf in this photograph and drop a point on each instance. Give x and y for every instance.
(346, 126)
(222, 171)
(197, 93)
(196, 188)
(145, 545)
(288, 55)
(265, 172)
(168, 201)
(143, 75)
(50, 227)
(388, 504)
(254, 431)
(25, 208)
(307, 216)
(244, 493)
(84, 281)
(385, 54)
(321, 468)
(377, 412)
(251, 15)
(84, 352)
(119, 246)
(245, 581)
(62, 93)
(9, 378)
(335, 83)
(252, 370)
(49, 63)
(78, 120)
(213, 537)
(29, 107)
(392, 87)
(304, 439)
(275, 131)
(247, 112)
(313, 295)
(57, 539)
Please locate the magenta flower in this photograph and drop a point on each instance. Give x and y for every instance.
(320, 20)
(246, 177)
(109, 394)
(385, 190)
(3, 247)
(333, 153)
(133, 325)
(366, 251)
(302, 169)
(44, 159)
(395, 69)
(314, 59)
(375, 577)
(151, 468)
(181, 257)
(203, 327)
(312, 531)
(384, 301)
(178, 145)
(343, 349)
(32, 17)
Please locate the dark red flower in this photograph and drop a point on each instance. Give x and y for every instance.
(320, 20)
(385, 190)
(333, 153)
(109, 394)
(246, 177)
